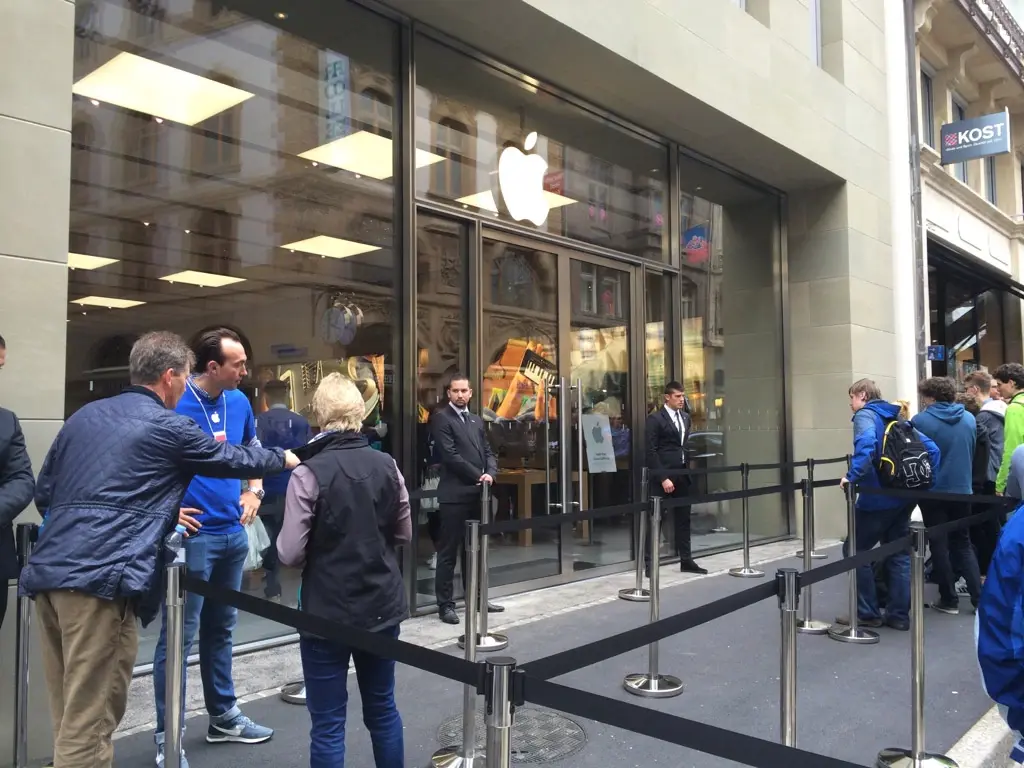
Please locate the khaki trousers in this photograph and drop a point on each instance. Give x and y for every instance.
(89, 647)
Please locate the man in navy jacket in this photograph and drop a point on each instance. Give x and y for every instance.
(880, 519)
(110, 489)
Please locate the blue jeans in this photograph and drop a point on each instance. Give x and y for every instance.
(325, 671)
(881, 526)
(217, 558)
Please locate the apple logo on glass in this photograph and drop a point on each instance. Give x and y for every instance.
(521, 180)
(598, 434)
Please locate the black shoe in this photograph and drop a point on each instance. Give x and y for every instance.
(844, 621)
(689, 566)
(495, 608)
(448, 615)
(900, 625)
(951, 607)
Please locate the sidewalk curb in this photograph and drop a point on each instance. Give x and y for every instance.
(986, 745)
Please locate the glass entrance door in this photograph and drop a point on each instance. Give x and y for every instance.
(557, 402)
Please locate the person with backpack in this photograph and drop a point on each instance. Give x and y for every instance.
(882, 519)
(954, 430)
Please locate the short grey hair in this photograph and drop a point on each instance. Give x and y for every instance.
(156, 352)
(338, 405)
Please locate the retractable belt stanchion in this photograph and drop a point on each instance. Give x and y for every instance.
(789, 599)
(26, 538)
(852, 633)
(465, 755)
(638, 594)
(746, 572)
(175, 604)
(651, 684)
(807, 624)
(915, 757)
(500, 711)
(809, 520)
(486, 642)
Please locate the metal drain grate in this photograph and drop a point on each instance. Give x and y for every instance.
(538, 735)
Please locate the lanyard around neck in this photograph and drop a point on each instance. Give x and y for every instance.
(195, 394)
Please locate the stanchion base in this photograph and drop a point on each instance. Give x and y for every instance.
(635, 595)
(660, 687)
(449, 757)
(294, 693)
(812, 627)
(848, 635)
(745, 572)
(814, 555)
(904, 758)
(488, 643)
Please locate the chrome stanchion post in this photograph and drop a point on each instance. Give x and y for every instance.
(807, 624)
(789, 598)
(915, 757)
(809, 522)
(486, 641)
(175, 606)
(746, 572)
(26, 539)
(651, 684)
(853, 633)
(499, 711)
(638, 594)
(465, 755)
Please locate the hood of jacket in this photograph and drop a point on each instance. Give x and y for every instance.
(887, 411)
(997, 407)
(947, 413)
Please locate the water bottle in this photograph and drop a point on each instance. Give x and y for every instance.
(175, 543)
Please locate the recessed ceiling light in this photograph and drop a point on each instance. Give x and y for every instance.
(364, 153)
(109, 303)
(85, 261)
(202, 279)
(145, 223)
(281, 15)
(188, 231)
(485, 200)
(143, 85)
(94, 102)
(333, 247)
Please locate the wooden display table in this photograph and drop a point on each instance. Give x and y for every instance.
(524, 480)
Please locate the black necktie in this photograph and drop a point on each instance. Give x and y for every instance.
(463, 415)
(679, 421)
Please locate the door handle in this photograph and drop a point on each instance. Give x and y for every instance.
(549, 390)
(579, 441)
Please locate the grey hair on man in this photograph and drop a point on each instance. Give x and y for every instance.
(157, 352)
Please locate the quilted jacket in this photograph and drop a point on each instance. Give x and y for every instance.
(110, 489)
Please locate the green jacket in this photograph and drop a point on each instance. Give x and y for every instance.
(1013, 436)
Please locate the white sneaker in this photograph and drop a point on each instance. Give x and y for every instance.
(432, 562)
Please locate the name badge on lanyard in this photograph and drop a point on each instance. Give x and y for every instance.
(221, 436)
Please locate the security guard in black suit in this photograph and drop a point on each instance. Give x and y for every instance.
(667, 431)
(467, 461)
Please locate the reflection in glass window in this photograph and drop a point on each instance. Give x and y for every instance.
(250, 185)
(524, 155)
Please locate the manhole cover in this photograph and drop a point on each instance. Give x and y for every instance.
(538, 736)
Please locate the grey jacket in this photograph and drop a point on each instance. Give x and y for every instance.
(992, 418)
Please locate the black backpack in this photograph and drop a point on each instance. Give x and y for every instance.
(903, 460)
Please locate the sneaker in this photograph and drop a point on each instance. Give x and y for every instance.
(432, 562)
(952, 608)
(870, 623)
(159, 758)
(961, 588)
(240, 730)
(900, 625)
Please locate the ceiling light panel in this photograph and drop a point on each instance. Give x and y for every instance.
(485, 200)
(141, 84)
(202, 279)
(364, 153)
(85, 261)
(330, 247)
(108, 303)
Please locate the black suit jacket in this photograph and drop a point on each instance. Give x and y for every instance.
(665, 448)
(461, 449)
(17, 486)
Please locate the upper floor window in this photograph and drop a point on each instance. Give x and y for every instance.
(216, 140)
(959, 113)
(814, 7)
(990, 179)
(377, 111)
(927, 109)
(450, 143)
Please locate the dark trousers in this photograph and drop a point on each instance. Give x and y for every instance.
(985, 536)
(451, 547)
(681, 522)
(325, 672)
(272, 515)
(4, 589)
(952, 551)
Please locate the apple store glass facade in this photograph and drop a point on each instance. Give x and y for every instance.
(240, 165)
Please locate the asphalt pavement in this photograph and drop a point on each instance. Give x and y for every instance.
(853, 700)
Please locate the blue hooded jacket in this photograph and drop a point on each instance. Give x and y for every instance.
(999, 629)
(868, 432)
(954, 430)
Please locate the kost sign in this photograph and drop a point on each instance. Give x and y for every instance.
(978, 137)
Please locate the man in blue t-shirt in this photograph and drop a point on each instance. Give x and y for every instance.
(215, 512)
(277, 427)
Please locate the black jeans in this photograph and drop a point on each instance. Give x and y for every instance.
(451, 547)
(952, 551)
(985, 536)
